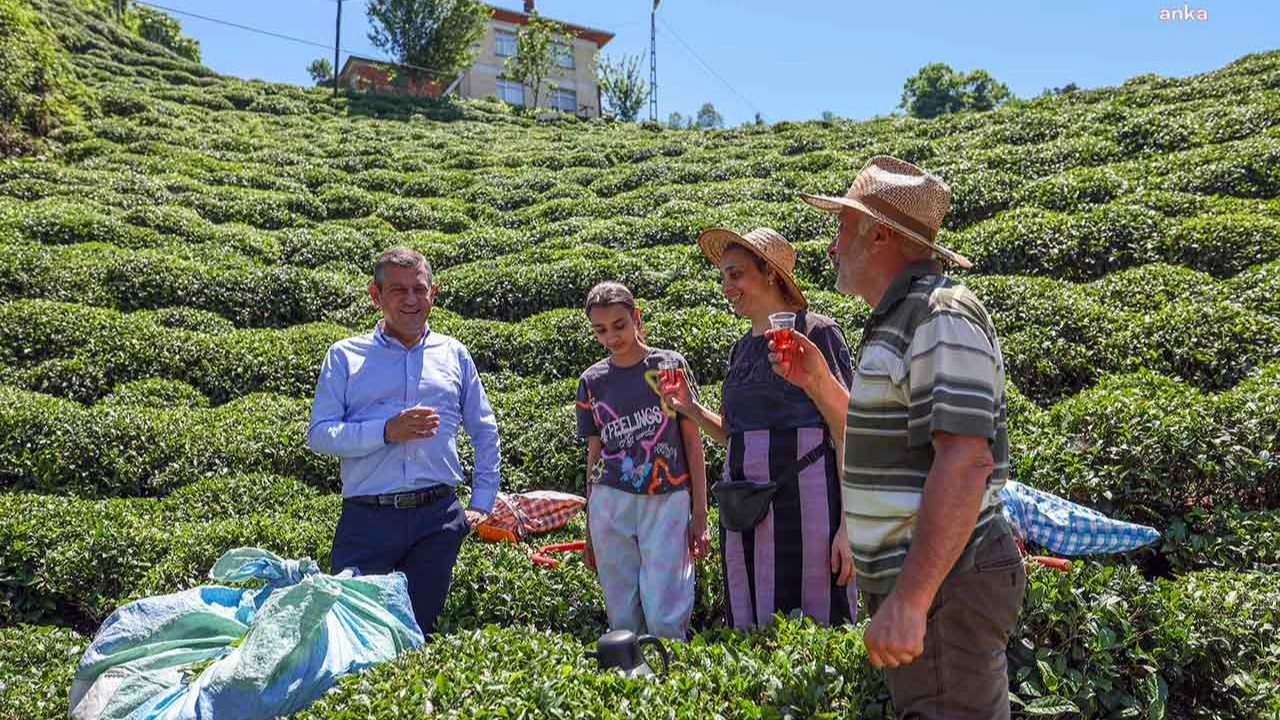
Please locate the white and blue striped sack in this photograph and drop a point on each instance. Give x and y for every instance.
(1067, 528)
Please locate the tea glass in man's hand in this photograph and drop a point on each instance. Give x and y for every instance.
(783, 324)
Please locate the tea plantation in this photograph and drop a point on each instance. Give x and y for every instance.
(183, 246)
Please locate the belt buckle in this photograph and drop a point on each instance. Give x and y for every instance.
(395, 501)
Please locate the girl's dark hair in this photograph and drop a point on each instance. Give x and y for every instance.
(610, 293)
(613, 293)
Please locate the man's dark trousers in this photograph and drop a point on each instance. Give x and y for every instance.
(963, 673)
(422, 542)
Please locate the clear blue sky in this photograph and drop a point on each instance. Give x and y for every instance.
(791, 60)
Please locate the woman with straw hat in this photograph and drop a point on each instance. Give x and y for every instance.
(782, 534)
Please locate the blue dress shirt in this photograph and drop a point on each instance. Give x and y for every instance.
(366, 380)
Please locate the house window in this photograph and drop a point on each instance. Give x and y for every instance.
(563, 52)
(566, 100)
(511, 92)
(504, 43)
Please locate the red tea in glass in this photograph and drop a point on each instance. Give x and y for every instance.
(783, 324)
(669, 372)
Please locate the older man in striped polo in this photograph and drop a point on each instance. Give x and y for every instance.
(925, 450)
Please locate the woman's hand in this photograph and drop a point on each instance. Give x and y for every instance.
(677, 396)
(841, 557)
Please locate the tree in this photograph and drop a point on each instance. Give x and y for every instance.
(436, 35)
(981, 92)
(933, 91)
(623, 87)
(708, 117)
(119, 8)
(163, 29)
(936, 90)
(675, 121)
(759, 119)
(828, 116)
(321, 71)
(535, 54)
(1064, 90)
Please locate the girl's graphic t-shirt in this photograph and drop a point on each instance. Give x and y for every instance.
(641, 448)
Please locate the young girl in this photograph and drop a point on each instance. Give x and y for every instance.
(646, 476)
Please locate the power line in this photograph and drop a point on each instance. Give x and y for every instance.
(279, 36)
(707, 66)
(236, 25)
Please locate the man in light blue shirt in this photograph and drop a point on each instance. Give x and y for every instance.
(389, 404)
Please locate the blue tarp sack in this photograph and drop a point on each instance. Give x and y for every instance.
(224, 653)
(1067, 528)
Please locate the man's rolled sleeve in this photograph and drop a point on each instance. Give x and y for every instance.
(329, 433)
(480, 423)
(952, 378)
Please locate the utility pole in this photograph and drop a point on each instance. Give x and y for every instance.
(337, 48)
(653, 62)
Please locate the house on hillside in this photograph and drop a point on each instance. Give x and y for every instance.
(369, 75)
(574, 76)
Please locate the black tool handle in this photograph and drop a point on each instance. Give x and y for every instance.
(662, 650)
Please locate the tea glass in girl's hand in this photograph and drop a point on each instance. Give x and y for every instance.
(669, 372)
(783, 340)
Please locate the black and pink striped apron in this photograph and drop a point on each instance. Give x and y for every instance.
(784, 563)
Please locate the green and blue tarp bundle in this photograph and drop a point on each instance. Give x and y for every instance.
(242, 653)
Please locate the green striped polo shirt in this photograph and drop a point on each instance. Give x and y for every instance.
(929, 361)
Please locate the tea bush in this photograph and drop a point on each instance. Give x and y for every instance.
(794, 669)
(36, 667)
(1148, 448)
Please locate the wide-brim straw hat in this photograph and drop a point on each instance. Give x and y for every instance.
(907, 198)
(767, 244)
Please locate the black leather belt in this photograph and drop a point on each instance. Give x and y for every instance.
(405, 500)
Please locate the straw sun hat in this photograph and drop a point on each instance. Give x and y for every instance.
(763, 242)
(900, 195)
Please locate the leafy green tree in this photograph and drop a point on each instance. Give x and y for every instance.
(676, 121)
(163, 29)
(936, 90)
(981, 92)
(433, 34)
(623, 88)
(321, 71)
(708, 117)
(119, 8)
(535, 54)
(1064, 90)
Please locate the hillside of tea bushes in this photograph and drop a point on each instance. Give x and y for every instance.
(182, 248)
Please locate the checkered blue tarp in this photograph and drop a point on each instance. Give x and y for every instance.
(1067, 528)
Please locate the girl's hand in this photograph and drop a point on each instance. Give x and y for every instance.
(589, 555)
(699, 537)
(677, 396)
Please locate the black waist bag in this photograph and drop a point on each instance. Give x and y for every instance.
(744, 504)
